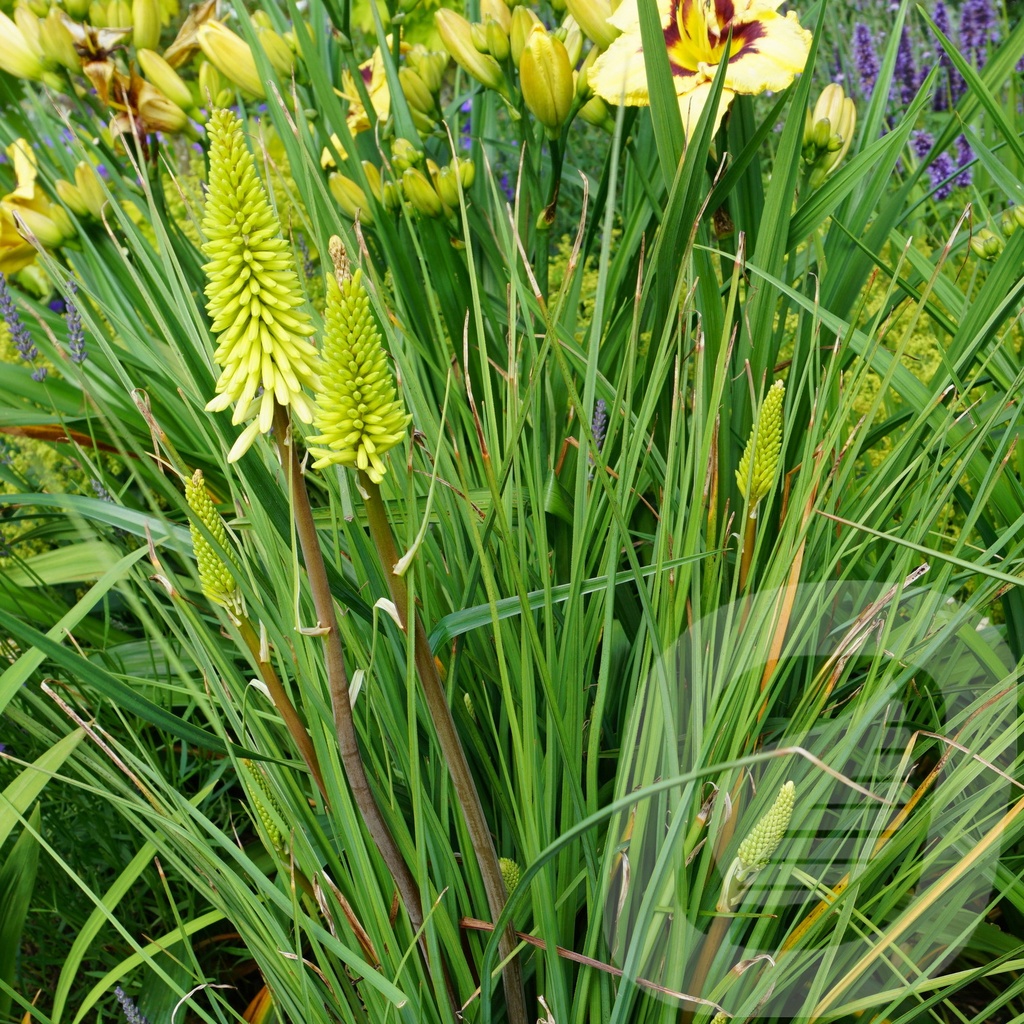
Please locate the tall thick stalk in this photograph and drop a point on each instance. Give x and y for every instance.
(337, 678)
(451, 745)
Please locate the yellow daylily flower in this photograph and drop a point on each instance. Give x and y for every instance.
(376, 82)
(767, 51)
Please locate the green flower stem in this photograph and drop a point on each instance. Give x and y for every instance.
(451, 746)
(284, 705)
(337, 678)
(747, 554)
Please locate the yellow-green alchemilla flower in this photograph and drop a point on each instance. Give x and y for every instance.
(359, 414)
(763, 448)
(253, 293)
(766, 52)
(216, 578)
(757, 848)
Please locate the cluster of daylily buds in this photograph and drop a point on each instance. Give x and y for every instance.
(513, 45)
(429, 190)
(828, 133)
(987, 243)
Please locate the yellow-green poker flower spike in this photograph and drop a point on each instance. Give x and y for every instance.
(358, 413)
(261, 784)
(510, 873)
(217, 580)
(253, 293)
(763, 447)
(757, 848)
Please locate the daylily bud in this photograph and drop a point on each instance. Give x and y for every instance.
(497, 39)
(159, 112)
(98, 14)
(260, 19)
(146, 15)
(467, 173)
(119, 14)
(165, 78)
(56, 42)
(523, 22)
(278, 52)
(51, 228)
(416, 92)
(498, 10)
(424, 123)
(986, 244)
(828, 133)
(457, 36)
(30, 27)
(478, 34)
(373, 178)
(350, 197)
(88, 183)
(1018, 213)
(210, 85)
(392, 195)
(327, 156)
(421, 193)
(77, 9)
(17, 58)
(1008, 221)
(447, 185)
(595, 111)
(232, 57)
(404, 154)
(592, 17)
(430, 65)
(573, 40)
(545, 77)
(71, 197)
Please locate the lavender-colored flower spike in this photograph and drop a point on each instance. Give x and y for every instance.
(599, 424)
(940, 16)
(128, 1007)
(964, 157)
(942, 168)
(921, 143)
(865, 58)
(19, 332)
(76, 336)
(978, 28)
(905, 73)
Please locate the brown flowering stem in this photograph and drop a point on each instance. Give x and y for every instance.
(337, 678)
(283, 703)
(451, 745)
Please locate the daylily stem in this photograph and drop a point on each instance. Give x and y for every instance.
(451, 745)
(337, 678)
(282, 702)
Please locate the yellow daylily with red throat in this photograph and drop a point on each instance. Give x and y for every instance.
(767, 51)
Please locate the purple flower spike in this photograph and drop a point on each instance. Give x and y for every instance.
(964, 158)
(905, 74)
(865, 58)
(921, 143)
(941, 169)
(599, 424)
(76, 335)
(978, 29)
(19, 332)
(128, 1007)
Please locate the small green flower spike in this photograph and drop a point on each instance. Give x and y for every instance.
(764, 447)
(218, 582)
(510, 873)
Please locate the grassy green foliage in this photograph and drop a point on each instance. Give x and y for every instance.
(561, 597)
